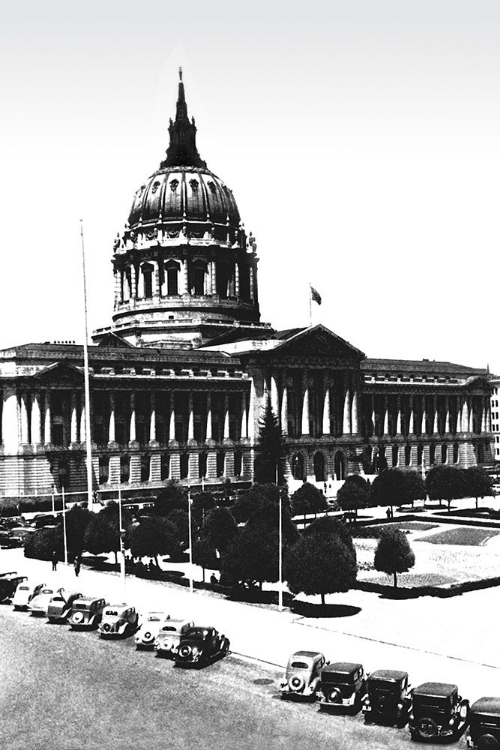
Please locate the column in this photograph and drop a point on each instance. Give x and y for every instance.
(132, 432)
(226, 417)
(140, 284)
(24, 417)
(354, 420)
(346, 429)
(465, 416)
(305, 409)
(423, 430)
(10, 420)
(48, 419)
(374, 414)
(274, 396)
(237, 280)
(111, 427)
(74, 419)
(244, 424)
(326, 411)
(133, 282)
(447, 415)
(411, 421)
(190, 417)
(435, 425)
(157, 278)
(171, 428)
(251, 413)
(209, 431)
(213, 276)
(386, 416)
(184, 277)
(83, 433)
(36, 425)
(284, 411)
(399, 430)
(152, 418)
(117, 284)
(252, 284)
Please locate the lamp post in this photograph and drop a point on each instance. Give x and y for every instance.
(64, 527)
(190, 537)
(122, 532)
(280, 544)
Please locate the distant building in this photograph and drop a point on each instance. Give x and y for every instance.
(495, 417)
(180, 378)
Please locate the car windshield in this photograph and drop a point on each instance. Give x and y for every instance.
(82, 606)
(299, 665)
(46, 591)
(377, 686)
(57, 599)
(169, 629)
(432, 703)
(24, 588)
(197, 633)
(337, 677)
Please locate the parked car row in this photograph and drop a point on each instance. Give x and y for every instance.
(433, 710)
(181, 640)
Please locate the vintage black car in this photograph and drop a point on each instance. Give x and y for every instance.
(388, 697)
(342, 684)
(484, 724)
(200, 645)
(437, 711)
(8, 584)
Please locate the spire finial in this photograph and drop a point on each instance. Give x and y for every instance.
(182, 150)
(180, 74)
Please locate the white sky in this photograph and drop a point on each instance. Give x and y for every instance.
(360, 139)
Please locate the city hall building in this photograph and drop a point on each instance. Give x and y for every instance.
(180, 378)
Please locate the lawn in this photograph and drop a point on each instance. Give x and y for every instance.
(465, 535)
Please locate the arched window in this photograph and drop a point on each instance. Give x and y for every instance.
(103, 469)
(444, 453)
(145, 468)
(319, 467)
(339, 465)
(432, 455)
(455, 453)
(420, 455)
(298, 466)
(172, 269)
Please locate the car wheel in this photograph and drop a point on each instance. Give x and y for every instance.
(296, 683)
(148, 637)
(184, 651)
(427, 728)
(225, 646)
(77, 618)
(488, 742)
(106, 627)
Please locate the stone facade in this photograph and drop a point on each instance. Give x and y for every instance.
(180, 379)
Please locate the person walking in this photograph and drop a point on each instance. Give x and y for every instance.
(54, 560)
(77, 564)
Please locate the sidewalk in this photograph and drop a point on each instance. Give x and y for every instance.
(433, 639)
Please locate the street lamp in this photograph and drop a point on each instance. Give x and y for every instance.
(122, 532)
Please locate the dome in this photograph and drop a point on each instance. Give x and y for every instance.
(184, 193)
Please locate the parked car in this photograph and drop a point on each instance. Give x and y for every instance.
(437, 711)
(118, 620)
(200, 645)
(86, 612)
(342, 684)
(388, 697)
(9, 583)
(25, 592)
(61, 604)
(484, 724)
(40, 603)
(302, 674)
(150, 625)
(169, 636)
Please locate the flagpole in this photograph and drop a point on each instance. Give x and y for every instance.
(88, 442)
(310, 306)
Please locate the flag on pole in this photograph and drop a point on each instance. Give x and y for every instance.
(315, 295)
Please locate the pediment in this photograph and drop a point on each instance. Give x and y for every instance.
(318, 342)
(111, 339)
(62, 373)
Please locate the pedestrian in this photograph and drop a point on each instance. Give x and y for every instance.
(76, 565)
(388, 512)
(54, 560)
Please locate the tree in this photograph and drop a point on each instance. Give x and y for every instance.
(152, 537)
(77, 521)
(43, 542)
(396, 487)
(219, 529)
(172, 497)
(103, 532)
(479, 483)
(255, 501)
(252, 557)
(352, 496)
(180, 519)
(270, 449)
(446, 483)
(320, 564)
(308, 499)
(202, 502)
(393, 554)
